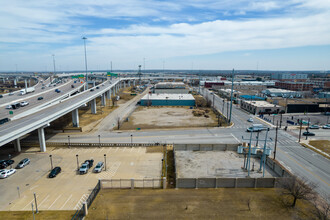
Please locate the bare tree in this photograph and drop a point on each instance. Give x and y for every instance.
(298, 189)
(118, 122)
(114, 100)
(322, 208)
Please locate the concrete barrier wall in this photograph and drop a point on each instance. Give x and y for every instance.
(277, 168)
(130, 183)
(205, 147)
(226, 182)
(88, 144)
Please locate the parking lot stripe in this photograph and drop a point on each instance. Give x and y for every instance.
(94, 150)
(108, 150)
(54, 201)
(117, 149)
(34, 187)
(66, 202)
(43, 200)
(29, 203)
(124, 149)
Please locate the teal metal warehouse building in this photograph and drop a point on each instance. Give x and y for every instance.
(167, 100)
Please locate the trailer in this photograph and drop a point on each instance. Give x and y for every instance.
(27, 90)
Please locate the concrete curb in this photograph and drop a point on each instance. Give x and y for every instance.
(305, 144)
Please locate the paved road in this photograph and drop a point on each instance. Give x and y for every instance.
(301, 161)
(48, 94)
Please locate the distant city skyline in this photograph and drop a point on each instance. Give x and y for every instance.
(176, 34)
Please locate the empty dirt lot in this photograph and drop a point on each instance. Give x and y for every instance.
(167, 117)
(192, 204)
(68, 190)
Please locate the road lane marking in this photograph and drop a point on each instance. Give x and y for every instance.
(28, 204)
(291, 158)
(34, 187)
(66, 202)
(54, 201)
(235, 138)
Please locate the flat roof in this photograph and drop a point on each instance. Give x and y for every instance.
(167, 96)
(261, 104)
(280, 90)
(170, 83)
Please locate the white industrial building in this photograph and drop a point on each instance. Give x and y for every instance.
(281, 93)
(170, 87)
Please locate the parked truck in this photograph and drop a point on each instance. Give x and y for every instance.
(27, 90)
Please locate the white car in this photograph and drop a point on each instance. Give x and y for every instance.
(9, 107)
(5, 173)
(250, 120)
(24, 103)
(326, 126)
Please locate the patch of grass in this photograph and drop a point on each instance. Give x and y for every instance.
(323, 145)
(47, 215)
(222, 203)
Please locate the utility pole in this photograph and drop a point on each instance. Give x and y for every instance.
(231, 95)
(300, 129)
(281, 121)
(263, 159)
(275, 140)
(213, 100)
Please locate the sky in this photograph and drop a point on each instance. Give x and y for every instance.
(173, 34)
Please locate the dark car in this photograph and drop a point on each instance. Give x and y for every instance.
(1, 96)
(40, 98)
(97, 87)
(23, 163)
(54, 172)
(72, 86)
(5, 163)
(307, 133)
(91, 90)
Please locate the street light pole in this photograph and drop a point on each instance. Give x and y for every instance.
(99, 140)
(35, 200)
(69, 140)
(231, 95)
(85, 38)
(131, 140)
(213, 100)
(300, 129)
(77, 162)
(51, 162)
(105, 162)
(275, 140)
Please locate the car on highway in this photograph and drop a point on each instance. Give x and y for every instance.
(11, 93)
(326, 126)
(24, 103)
(99, 167)
(5, 163)
(40, 98)
(23, 163)
(91, 90)
(72, 86)
(6, 173)
(1, 96)
(307, 133)
(97, 87)
(250, 120)
(43, 87)
(313, 127)
(8, 107)
(54, 172)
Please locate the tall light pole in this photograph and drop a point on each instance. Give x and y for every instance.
(77, 162)
(54, 63)
(99, 140)
(231, 95)
(131, 140)
(85, 38)
(105, 162)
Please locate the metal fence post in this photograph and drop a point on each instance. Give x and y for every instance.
(85, 208)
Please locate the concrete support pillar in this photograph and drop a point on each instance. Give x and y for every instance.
(93, 83)
(75, 118)
(42, 140)
(25, 84)
(15, 83)
(17, 145)
(109, 94)
(124, 84)
(103, 100)
(93, 106)
(114, 90)
(129, 83)
(133, 82)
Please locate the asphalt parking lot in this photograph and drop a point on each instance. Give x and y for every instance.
(68, 190)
